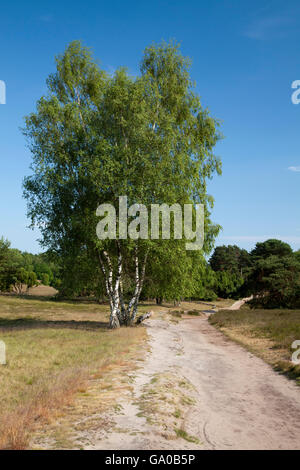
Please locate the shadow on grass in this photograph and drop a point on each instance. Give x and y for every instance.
(53, 298)
(32, 323)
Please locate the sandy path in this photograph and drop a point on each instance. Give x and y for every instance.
(241, 403)
(237, 305)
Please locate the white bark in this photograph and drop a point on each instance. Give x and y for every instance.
(122, 304)
(112, 291)
(139, 280)
(119, 315)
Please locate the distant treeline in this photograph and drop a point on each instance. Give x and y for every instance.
(18, 268)
(270, 272)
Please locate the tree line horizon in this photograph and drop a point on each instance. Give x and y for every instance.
(270, 272)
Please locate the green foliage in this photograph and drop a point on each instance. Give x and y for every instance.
(270, 272)
(79, 276)
(94, 138)
(231, 266)
(175, 274)
(231, 259)
(4, 261)
(45, 279)
(15, 278)
(275, 275)
(204, 281)
(297, 255)
(228, 284)
(276, 282)
(168, 274)
(17, 268)
(271, 247)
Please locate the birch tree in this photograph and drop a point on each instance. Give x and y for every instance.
(96, 137)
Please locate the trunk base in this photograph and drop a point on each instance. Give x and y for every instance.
(114, 322)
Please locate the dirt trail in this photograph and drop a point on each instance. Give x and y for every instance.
(238, 304)
(235, 306)
(240, 402)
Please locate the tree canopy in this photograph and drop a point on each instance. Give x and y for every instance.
(230, 258)
(270, 272)
(96, 137)
(271, 247)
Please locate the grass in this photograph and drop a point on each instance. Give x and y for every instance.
(53, 351)
(267, 333)
(184, 435)
(164, 403)
(14, 307)
(193, 312)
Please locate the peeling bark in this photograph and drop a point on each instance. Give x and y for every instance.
(139, 280)
(119, 314)
(112, 290)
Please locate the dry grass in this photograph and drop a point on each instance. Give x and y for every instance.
(14, 307)
(54, 349)
(165, 401)
(79, 424)
(205, 305)
(42, 291)
(267, 333)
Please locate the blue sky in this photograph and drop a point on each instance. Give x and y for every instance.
(245, 57)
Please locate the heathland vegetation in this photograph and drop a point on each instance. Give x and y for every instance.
(95, 137)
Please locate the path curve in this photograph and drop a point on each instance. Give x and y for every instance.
(240, 402)
(238, 304)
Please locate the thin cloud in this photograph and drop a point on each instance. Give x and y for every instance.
(294, 168)
(260, 238)
(267, 28)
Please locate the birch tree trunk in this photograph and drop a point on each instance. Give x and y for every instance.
(122, 304)
(112, 289)
(119, 314)
(139, 280)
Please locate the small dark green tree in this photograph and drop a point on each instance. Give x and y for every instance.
(271, 247)
(275, 281)
(4, 262)
(231, 259)
(45, 279)
(228, 284)
(275, 275)
(205, 284)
